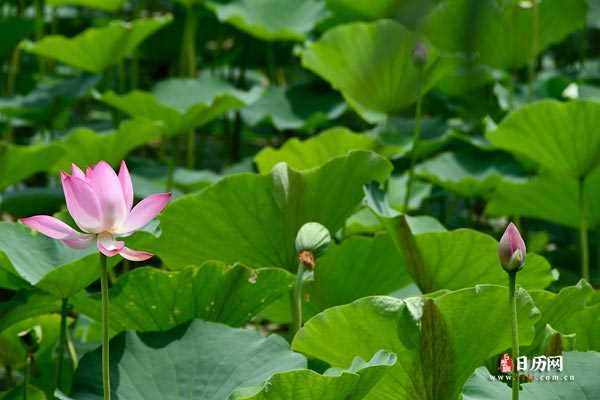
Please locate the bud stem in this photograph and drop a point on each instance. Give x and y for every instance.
(512, 301)
(583, 233)
(297, 300)
(62, 343)
(105, 326)
(416, 137)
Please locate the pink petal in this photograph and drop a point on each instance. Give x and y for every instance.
(126, 185)
(51, 227)
(135, 255)
(108, 245)
(80, 243)
(144, 212)
(106, 185)
(82, 203)
(77, 172)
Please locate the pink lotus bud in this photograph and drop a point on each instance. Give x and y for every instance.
(511, 249)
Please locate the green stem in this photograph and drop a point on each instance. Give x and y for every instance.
(583, 233)
(13, 70)
(188, 45)
(534, 47)
(105, 327)
(26, 374)
(297, 300)
(191, 145)
(416, 137)
(62, 342)
(39, 31)
(512, 300)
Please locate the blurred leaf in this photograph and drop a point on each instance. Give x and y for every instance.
(371, 64)
(501, 33)
(550, 198)
(31, 201)
(149, 299)
(20, 162)
(198, 360)
(420, 191)
(469, 173)
(104, 5)
(33, 393)
(47, 100)
(181, 105)
(563, 138)
(97, 48)
(432, 337)
(271, 19)
(294, 108)
(46, 263)
(12, 30)
(27, 304)
(353, 383)
(85, 147)
(315, 151)
(582, 366)
(253, 219)
(407, 12)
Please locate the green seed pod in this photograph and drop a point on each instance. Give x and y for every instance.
(312, 237)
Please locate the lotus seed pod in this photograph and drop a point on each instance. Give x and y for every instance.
(312, 237)
(419, 55)
(511, 249)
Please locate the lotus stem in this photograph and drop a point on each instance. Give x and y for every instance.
(534, 48)
(62, 342)
(188, 68)
(512, 300)
(39, 31)
(105, 327)
(191, 145)
(297, 300)
(583, 233)
(413, 158)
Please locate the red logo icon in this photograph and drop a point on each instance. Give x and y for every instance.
(505, 364)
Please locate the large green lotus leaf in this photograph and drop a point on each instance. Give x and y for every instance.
(396, 187)
(371, 64)
(182, 104)
(455, 259)
(149, 299)
(358, 267)
(201, 360)
(469, 173)
(46, 263)
(570, 311)
(315, 151)
(24, 202)
(585, 385)
(97, 48)
(353, 383)
(547, 197)
(47, 100)
(563, 138)
(271, 19)
(19, 162)
(27, 304)
(105, 5)
(12, 30)
(407, 12)
(465, 257)
(432, 337)
(85, 147)
(253, 219)
(296, 107)
(500, 33)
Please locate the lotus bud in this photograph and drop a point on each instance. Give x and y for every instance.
(419, 54)
(511, 249)
(311, 241)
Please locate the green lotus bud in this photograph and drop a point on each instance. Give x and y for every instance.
(419, 54)
(311, 241)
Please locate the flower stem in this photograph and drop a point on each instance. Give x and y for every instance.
(413, 158)
(62, 342)
(583, 233)
(512, 300)
(297, 300)
(534, 49)
(105, 326)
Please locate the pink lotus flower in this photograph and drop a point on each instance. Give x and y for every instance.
(511, 250)
(100, 202)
